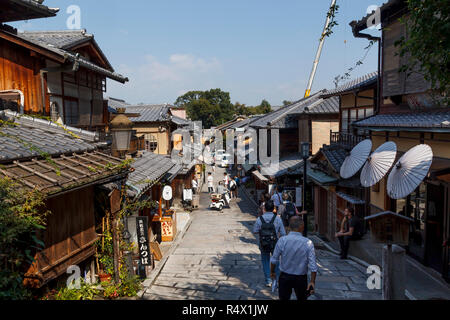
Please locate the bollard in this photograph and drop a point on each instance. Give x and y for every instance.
(393, 272)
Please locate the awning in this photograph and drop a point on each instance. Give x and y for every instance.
(259, 176)
(350, 198)
(321, 177)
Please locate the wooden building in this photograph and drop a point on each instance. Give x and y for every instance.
(332, 194)
(70, 182)
(61, 74)
(409, 115)
(303, 121)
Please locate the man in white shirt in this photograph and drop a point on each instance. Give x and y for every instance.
(277, 197)
(210, 183)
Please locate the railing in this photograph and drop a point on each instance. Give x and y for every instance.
(346, 139)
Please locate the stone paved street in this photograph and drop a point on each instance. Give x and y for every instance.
(218, 259)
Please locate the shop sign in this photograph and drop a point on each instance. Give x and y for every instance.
(143, 243)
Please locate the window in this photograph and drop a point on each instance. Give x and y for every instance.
(151, 143)
(344, 120)
(71, 115)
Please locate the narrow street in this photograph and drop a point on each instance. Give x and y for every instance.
(218, 259)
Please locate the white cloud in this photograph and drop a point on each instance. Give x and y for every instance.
(155, 81)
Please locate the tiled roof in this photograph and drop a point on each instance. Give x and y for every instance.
(63, 173)
(15, 10)
(322, 106)
(149, 169)
(62, 39)
(431, 120)
(150, 113)
(384, 8)
(350, 198)
(28, 137)
(40, 39)
(114, 103)
(180, 121)
(321, 177)
(335, 155)
(280, 118)
(288, 165)
(356, 84)
(244, 123)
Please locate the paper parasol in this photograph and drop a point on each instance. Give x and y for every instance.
(356, 159)
(409, 171)
(378, 164)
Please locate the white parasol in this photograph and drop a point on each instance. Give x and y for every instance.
(409, 171)
(378, 164)
(356, 159)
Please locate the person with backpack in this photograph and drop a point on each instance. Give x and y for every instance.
(269, 227)
(287, 210)
(350, 230)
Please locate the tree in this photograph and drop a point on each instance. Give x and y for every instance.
(264, 107)
(212, 107)
(427, 44)
(286, 103)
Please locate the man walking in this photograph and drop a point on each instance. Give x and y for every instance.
(287, 210)
(295, 255)
(277, 196)
(269, 227)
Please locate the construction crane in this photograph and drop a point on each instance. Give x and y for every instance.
(319, 52)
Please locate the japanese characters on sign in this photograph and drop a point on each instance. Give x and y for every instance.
(143, 243)
(167, 228)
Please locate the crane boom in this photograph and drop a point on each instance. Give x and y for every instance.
(319, 52)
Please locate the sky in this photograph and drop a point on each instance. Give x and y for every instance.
(254, 49)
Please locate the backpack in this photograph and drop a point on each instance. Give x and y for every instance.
(268, 235)
(289, 211)
(232, 185)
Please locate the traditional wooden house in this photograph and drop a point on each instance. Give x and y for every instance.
(409, 115)
(303, 121)
(332, 194)
(156, 124)
(69, 177)
(61, 74)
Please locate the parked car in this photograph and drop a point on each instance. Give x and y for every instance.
(226, 159)
(218, 155)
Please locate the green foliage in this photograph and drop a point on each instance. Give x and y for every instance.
(332, 15)
(287, 103)
(85, 292)
(20, 217)
(244, 110)
(346, 76)
(212, 107)
(427, 44)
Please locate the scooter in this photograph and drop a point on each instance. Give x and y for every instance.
(218, 201)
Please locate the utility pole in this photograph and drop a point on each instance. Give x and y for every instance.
(319, 52)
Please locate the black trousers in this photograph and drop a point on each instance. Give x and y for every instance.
(344, 241)
(287, 282)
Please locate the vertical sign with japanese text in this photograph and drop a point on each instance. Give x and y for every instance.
(143, 243)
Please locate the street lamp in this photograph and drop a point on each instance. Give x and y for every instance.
(121, 129)
(305, 155)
